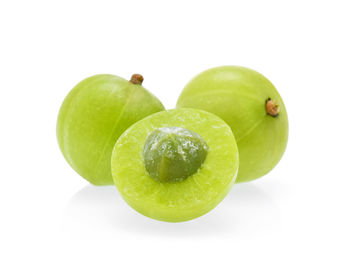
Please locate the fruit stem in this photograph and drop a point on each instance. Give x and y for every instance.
(272, 108)
(136, 79)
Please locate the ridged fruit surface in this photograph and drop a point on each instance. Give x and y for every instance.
(93, 116)
(239, 96)
(186, 199)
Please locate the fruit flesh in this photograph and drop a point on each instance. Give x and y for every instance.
(176, 201)
(172, 154)
(92, 117)
(238, 95)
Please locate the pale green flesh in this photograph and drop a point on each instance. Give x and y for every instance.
(238, 95)
(171, 154)
(177, 201)
(92, 117)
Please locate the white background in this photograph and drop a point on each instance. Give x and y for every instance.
(292, 223)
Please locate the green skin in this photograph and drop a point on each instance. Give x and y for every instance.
(238, 95)
(93, 116)
(181, 195)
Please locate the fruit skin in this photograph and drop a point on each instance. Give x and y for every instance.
(238, 95)
(187, 199)
(92, 117)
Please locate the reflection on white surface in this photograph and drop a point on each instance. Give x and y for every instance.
(245, 211)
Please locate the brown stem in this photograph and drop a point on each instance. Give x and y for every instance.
(136, 79)
(272, 108)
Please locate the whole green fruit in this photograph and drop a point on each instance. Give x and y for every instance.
(251, 106)
(93, 116)
(175, 165)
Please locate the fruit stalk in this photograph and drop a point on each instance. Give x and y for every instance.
(272, 108)
(136, 79)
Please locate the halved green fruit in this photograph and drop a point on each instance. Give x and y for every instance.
(93, 116)
(149, 161)
(251, 106)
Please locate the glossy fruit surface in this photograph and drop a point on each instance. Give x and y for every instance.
(178, 137)
(251, 106)
(93, 116)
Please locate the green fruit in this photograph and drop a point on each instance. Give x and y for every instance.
(93, 116)
(251, 106)
(175, 165)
